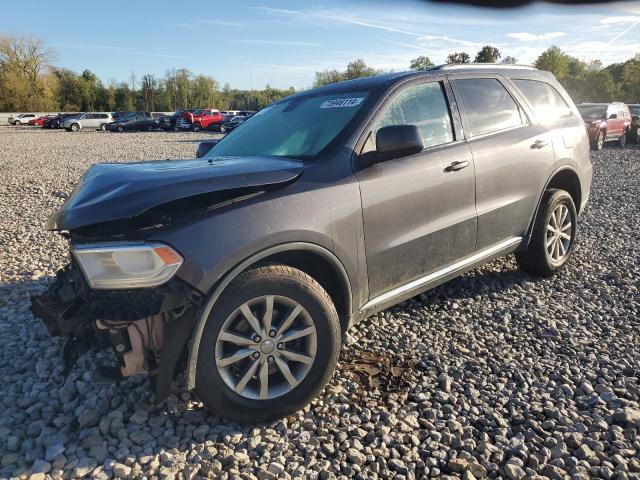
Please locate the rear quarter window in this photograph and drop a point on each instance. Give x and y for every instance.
(548, 105)
(488, 105)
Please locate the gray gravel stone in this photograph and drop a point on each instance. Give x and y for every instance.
(495, 374)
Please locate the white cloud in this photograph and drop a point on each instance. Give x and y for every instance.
(532, 37)
(627, 19)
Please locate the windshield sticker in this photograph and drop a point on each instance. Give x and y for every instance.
(342, 102)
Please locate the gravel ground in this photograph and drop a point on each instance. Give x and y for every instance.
(496, 374)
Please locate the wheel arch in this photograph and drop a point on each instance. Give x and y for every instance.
(565, 178)
(318, 262)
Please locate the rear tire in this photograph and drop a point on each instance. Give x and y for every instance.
(120, 129)
(553, 237)
(196, 127)
(622, 141)
(103, 127)
(223, 128)
(269, 390)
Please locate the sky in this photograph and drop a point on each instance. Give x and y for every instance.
(249, 44)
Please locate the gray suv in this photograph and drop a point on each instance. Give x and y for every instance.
(237, 273)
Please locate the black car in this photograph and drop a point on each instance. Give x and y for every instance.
(634, 129)
(136, 122)
(238, 273)
(235, 122)
(168, 122)
(56, 122)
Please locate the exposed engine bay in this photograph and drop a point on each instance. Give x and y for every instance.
(146, 329)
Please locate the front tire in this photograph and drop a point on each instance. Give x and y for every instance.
(196, 127)
(223, 128)
(120, 129)
(598, 143)
(74, 127)
(17, 123)
(103, 127)
(269, 346)
(553, 237)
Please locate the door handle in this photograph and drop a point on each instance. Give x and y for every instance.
(457, 165)
(539, 144)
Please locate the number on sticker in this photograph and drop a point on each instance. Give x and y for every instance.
(342, 102)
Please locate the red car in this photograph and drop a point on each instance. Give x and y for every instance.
(606, 122)
(38, 121)
(199, 119)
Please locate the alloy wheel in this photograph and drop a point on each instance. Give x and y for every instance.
(600, 140)
(559, 233)
(266, 347)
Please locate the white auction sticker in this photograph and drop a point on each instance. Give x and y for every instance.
(342, 102)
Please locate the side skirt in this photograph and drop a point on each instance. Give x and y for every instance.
(419, 285)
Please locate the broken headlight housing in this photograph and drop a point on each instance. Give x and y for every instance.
(127, 265)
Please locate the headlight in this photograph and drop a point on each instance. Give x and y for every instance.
(127, 265)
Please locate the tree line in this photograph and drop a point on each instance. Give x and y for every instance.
(585, 81)
(29, 80)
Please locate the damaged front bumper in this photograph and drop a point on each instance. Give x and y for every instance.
(147, 328)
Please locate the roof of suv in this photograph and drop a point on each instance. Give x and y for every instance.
(390, 78)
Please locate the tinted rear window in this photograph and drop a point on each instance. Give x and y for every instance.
(488, 105)
(547, 103)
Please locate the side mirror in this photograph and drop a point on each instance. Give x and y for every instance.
(397, 141)
(204, 147)
(613, 116)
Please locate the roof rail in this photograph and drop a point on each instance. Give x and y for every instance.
(461, 66)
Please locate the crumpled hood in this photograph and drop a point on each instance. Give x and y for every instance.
(116, 191)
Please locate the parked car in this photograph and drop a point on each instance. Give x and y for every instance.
(634, 129)
(606, 122)
(199, 119)
(138, 121)
(55, 121)
(22, 119)
(235, 122)
(38, 121)
(168, 122)
(95, 120)
(251, 262)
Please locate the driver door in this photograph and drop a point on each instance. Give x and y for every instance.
(419, 214)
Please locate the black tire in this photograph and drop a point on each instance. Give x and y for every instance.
(150, 128)
(536, 259)
(223, 128)
(103, 127)
(196, 127)
(622, 141)
(120, 129)
(598, 143)
(17, 123)
(74, 127)
(282, 281)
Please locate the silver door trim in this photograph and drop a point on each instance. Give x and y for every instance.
(448, 270)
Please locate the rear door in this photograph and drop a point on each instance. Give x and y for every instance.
(512, 156)
(614, 125)
(419, 215)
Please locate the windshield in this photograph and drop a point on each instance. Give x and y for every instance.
(634, 109)
(592, 111)
(199, 111)
(296, 127)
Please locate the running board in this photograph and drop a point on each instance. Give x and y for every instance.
(438, 277)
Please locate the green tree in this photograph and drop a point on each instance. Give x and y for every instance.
(359, 69)
(555, 61)
(421, 63)
(487, 54)
(509, 60)
(630, 80)
(458, 57)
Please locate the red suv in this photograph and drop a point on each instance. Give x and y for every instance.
(606, 122)
(201, 118)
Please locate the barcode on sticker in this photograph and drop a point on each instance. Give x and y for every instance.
(342, 102)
